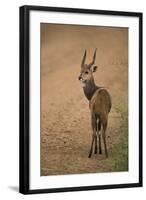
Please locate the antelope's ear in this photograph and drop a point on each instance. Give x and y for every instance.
(94, 68)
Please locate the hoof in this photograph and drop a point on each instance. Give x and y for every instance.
(89, 156)
(106, 155)
(100, 152)
(95, 152)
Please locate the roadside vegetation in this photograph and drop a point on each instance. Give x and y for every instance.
(118, 159)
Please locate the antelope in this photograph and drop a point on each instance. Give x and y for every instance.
(99, 104)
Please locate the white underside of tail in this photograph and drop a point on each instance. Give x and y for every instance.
(99, 131)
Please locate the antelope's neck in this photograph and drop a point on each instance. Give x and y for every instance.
(90, 88)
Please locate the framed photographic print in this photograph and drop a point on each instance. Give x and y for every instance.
(80, 99)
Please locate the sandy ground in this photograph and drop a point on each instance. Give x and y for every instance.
(65, 116)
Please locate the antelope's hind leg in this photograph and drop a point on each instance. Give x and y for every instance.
(94, 136)
(91, 149)
(95, 150)
(95, 147)
(99, 135)
(104, 138)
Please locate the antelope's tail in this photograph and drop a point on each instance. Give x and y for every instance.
(98, 119)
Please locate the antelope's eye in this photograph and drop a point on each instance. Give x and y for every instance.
(86, 72)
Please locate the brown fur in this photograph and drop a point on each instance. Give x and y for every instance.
(100, 102)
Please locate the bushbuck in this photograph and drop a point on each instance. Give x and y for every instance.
(99, 104)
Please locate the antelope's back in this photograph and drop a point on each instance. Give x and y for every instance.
(101, 101)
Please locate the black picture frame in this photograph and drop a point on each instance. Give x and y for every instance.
(25, 105)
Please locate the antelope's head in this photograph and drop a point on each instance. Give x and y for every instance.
(86, 73)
